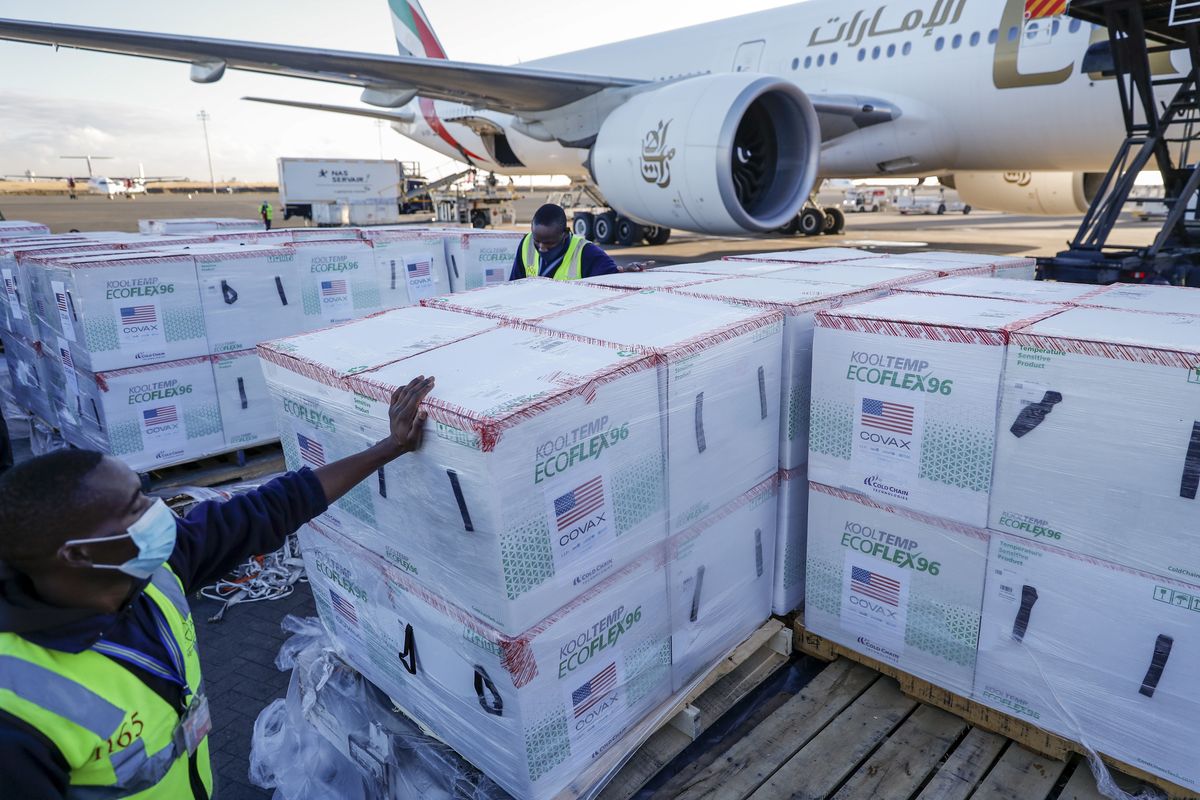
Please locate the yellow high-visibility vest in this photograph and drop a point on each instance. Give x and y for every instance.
(571, 268)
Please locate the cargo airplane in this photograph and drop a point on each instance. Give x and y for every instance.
(725, 127)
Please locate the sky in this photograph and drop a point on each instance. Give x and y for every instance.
(143, 111)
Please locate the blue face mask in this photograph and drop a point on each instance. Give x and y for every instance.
(154, 535)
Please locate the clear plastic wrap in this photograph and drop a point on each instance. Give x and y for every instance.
(31, 377)
(1144, 297)
(863, 275)
(479, 258)
(338, 281)
(904, 399)
(1007, 289)
(250, 294)
(791, 543)
(1099, 437)
(719, 383)
(19, 308)
(526, 300)
(799, 302)
(247, 410)
(534, 711)
(412, 264)
(198, 225)
(727, 269)
(811, 255)
(649, 279)
(1099, 653)
(905, 589)
(957, 263)
(19, 228)
(541, 471)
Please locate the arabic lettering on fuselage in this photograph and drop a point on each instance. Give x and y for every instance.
(864, 26)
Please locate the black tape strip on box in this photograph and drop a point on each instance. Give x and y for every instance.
(1029, 596)
(228, 293)
(695, 612)
(242, 392)
(762, 393)
(462, 501)
(1162, 651)
(700, 445)
(758, 557)
(279, 289)
(1190, 483)
(1032, 415)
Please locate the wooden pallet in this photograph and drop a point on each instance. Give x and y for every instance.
(1004, 757)
(237, 465)
(676, 724)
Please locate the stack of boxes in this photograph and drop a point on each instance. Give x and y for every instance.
(589, 523)
(143, 346)
(1004, 503)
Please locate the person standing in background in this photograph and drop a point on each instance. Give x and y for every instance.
(266, 212)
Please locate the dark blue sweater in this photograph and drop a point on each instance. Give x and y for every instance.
(594, 262)
(213, 539)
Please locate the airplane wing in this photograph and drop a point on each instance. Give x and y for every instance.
(372, 113)
(512, 89)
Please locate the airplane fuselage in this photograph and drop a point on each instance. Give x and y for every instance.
(979, 88)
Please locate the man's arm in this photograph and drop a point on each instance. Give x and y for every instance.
(217, 536)
(31, 765)
(596, 262)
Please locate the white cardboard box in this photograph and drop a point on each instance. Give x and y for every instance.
(526, 300)
(150, 416)
(1145, 297)
(247, 410)
(121, 310)
(19, 228)
(863, 276)
(1098, 653)
(955, 263)
(532, 711)
(338, 280)
(1098, 442)
(719, 382)
(799, 302)
(410, 265)
(904, 399)
(721, 573)
(649, 279)
(541, 471)
(727, 269)
(251, 294)
(1006, 289)
(811, 255)
(19, 308)
(903, 588)
(30, 373)
(791, 543)
(479, 258)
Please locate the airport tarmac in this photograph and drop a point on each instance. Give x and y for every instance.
(980, 231)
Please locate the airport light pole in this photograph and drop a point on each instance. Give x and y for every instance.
(204, 117)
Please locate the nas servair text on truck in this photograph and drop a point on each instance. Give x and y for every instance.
(724, 128)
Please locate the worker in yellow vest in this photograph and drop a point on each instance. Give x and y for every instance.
(550, 250)
(267, 213)
(100, 688)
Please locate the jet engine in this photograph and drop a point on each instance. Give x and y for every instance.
(1047, 193)
(728, 154)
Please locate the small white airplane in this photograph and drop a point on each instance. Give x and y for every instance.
(725, 127)
(103, 185)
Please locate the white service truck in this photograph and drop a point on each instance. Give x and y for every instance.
(332, 191)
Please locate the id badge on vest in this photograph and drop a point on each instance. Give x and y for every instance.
(194, 725)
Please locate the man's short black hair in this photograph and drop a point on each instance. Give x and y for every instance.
(550, 216)
(42, 500)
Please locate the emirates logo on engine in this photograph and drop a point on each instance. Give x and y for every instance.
(1018, 178)
(656, 156)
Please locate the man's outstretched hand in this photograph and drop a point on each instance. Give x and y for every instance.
(407, 420)
(637, 266)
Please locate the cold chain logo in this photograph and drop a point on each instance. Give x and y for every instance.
(879, 486)
(1032, 526)
(603, 634)
(896, 371)
(898, 550)
(875, 649)
(575, 446)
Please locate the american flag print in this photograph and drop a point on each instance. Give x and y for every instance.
(894, 417)
(579, 503)
(418, 269)
(595, 690)
(60, 298)
(872, 584)
(343, 607)
(311, 451)
(139, 315)
(67, 361)
(333, 288)
(493, 275)
(1037, 9)
(159, 416)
